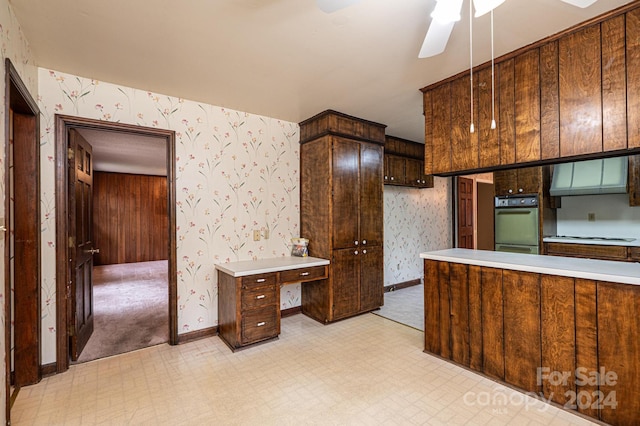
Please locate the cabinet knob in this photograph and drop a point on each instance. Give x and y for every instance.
(260, 297)
(304, 274)
(520, 190)
(261, 323)
(364, 241)
(386, 178)
(510, 191)
(261, 280)
(355, 243)
(355, 252)
(418, 180)
(391, 177)
(364, 252)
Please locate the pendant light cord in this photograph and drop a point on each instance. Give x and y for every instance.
(471, 128)
(493, 85)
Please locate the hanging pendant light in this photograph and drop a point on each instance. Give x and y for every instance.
(493, 80)
(472, 127)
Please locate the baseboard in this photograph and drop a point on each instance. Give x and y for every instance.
(405, 284)
(197, 335)
(290, 311)
(48, 369)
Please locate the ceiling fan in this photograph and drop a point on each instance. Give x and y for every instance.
(445, 15)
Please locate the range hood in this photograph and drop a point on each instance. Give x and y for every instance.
(602, 176)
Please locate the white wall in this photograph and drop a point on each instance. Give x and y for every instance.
(614, 217)
(415, 221)
(13, 45)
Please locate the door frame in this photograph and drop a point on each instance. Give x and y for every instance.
(27, 329)
(62, 125)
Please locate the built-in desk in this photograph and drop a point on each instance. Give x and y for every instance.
(249, 295)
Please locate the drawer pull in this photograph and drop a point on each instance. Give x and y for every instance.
(261, 323)
(260, 296)
(261, 280)
(304, 274)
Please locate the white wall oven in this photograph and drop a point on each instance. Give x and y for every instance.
(516, 224)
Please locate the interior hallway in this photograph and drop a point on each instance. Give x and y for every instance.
(364, 370)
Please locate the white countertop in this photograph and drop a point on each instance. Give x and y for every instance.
(262, 266)
(600, 270)
(634, 243)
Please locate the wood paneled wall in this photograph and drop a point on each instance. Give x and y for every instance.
(130, 220)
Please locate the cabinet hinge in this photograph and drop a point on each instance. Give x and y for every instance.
(70, 154)
(71, 242)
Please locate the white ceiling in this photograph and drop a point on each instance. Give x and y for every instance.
(280, 58)
(119, 152)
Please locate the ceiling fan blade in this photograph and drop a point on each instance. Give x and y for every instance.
(330, 6)
(580, 3)
(436, 39)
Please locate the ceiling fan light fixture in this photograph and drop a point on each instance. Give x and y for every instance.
(447, 11)
(485, 6)
(580, 3)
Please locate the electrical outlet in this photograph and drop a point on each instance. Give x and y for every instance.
(256, 235)
(591, 217)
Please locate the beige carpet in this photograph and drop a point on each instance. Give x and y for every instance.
(131, 308)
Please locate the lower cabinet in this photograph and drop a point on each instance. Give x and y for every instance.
(571, 341)
(248, 308)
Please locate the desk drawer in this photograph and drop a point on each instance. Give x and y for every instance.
(259, 280)
(259, 296)
(260, 324)
(303, 274)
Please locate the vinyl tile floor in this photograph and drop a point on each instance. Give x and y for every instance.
(405, 306)
(365, 370)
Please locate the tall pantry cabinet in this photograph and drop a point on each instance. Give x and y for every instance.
(341, 201)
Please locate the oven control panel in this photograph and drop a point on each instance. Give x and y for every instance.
(517, 201)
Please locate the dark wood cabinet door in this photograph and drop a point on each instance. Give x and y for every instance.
(505, 181)
(618, 349)
(614, 85)
(459, 310)
(431, 307)
(549, 103)
(580, 92)
(507, 109)
(395, 174)
(346, 192)
(371, 193)
(633, 77)
(558, 335)
(488, 108)
(442, 129)
(522, 351)
(464, 144)
(414, 174)
(492, 323)
(527, 106)
(586, 322)
(371, 278)
(345, 280)
(529, 180)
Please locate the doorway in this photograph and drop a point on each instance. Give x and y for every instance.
(66, 281)
(473, 213)
(21, 226)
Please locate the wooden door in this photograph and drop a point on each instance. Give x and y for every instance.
(414, 172)
(80, 218)
(345, 279)
(527, 106)
(441, 133)
(346, 192)
(371, 192)
(396, 171)
(529, 180)
(465, 213)
(371, 278)
(492, 323)
(505, 181)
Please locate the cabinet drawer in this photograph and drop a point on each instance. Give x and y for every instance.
(634, 254)
(258, 297)
(260, 324)
(303, 274)
(591, 251)
(259, 280)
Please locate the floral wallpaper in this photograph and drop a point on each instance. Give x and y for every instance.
(415, 221)
(235, 172)
(13, 45)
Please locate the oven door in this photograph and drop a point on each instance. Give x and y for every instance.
(516, 226)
